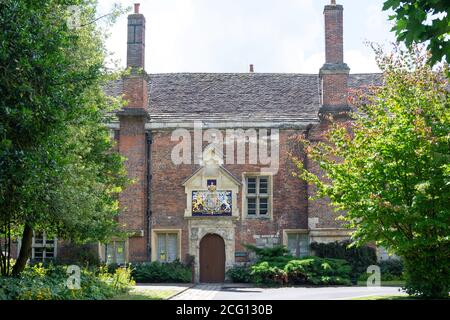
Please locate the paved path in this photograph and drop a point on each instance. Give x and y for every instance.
(199, 292)
(219, 292)
(302, 293)
(162, 286)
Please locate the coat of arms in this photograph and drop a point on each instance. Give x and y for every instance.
(211, 202)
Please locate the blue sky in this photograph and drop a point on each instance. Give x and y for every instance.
(228, 35)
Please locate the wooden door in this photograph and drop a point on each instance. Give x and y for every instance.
(212, 259)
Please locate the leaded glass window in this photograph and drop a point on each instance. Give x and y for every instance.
(298, 244)
(257, 196)
(43, 247)
(167, 246)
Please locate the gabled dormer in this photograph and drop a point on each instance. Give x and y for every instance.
(211, 191)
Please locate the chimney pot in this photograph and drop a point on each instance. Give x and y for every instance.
(252, 68)
(333, 2)
(136, 8)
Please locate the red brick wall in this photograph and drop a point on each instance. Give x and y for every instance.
(321, 208)
(169, 198)
(132, 145)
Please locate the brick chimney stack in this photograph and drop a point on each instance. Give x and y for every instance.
(252, 69)
(135, 85)
(136, 39)
(132, 140)
(334, 73)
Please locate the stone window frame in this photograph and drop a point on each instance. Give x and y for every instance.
(46, 245)
(269, 214)
(155, 233)
(286, 233)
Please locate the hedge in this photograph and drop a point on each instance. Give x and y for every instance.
(156, 272)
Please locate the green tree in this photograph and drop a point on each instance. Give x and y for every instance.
(418, 21)
(58, 172)
(388, 170)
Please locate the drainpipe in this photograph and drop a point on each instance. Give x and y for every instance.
(306, 165)
(148, 139)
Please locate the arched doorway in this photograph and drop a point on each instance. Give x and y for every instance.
(212, 258)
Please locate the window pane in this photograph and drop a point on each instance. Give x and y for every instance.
(293, 244)
(162, 255)
(49, 253)
(38, 238)
(120, 252)
(38, 253)
(251, 206)
(263, 206)
(109, 253)
(50, 242)
(304, 245)
(251, 185)
(263, 183)
(298, 244)
(172, 247)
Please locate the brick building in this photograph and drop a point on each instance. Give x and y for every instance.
(209, 154)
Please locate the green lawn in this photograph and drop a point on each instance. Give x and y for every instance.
(390, 297)
(392, 283)
(146, 295)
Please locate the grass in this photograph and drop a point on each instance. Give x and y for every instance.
(146, 295)
(391, 283)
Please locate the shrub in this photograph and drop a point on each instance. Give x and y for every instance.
(162, 272)
(50, 283)
(276, 256)
(263, 273)
(268, 253)
(120, 280)
(392, 267)
(296, 271)
(391, 270)
(276, 266)
(319, 271)
(359, 258)
(240, 274)
(427, 272)
(384, 277)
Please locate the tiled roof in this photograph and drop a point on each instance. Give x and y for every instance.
(237, 96)
(359, 80)
(243, 93)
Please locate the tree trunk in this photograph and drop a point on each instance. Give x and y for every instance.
(25, 250)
